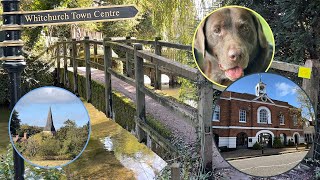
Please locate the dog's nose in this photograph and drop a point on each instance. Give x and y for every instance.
(234, 54)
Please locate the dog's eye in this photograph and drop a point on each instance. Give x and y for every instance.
(244, 27)
(217, 30)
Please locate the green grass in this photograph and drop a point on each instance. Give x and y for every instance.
(4, 119)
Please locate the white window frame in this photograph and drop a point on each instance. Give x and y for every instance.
(295, 120)
(268, 115)
(242, 117)
(216, 110)
(281, 118)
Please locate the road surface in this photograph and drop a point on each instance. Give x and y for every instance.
(269, 165)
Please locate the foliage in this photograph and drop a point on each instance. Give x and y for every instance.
(30, 130)
(173, 20)
(6, 164)
(73, 139)
(277, 143)
(37, 73)
(31, 172)
(256, 146)
(190, 163)
(296, 112)
(305, 104)
(317, 173)
(4, 80)
(66, 144)
(15, 122)
(295, 27)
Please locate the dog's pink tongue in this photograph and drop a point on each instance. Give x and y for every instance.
(234, 73)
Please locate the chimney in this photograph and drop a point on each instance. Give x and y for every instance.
(25, 135)
(16, 138)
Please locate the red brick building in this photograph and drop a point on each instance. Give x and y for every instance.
(240, 119)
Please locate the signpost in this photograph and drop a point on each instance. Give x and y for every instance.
(71, 16)
(11, 44)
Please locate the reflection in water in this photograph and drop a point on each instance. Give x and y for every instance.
(174, 92)
(144, 165)
(107, 143)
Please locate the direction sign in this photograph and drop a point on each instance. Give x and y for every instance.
(68, 16)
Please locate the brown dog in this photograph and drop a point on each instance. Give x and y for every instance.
(230, 43)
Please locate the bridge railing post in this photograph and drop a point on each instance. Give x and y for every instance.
(58, 62)
(158, 49)
(75, 66)
(70, 54)
(88, 68)
(204, 117)
(65, 63)
(175, 171)
(95, 49)
(95, 52)
(128, 64)
(140, 96)
(107, 76)
(311, 87)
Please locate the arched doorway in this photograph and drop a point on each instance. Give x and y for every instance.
(265, 138)
(216, 139)
(242, 140)
(147, 80)
(283, 138)
(296, 139)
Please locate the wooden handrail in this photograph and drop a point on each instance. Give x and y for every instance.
(176, 46)
(179, 69)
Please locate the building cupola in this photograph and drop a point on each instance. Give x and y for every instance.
(261, 88)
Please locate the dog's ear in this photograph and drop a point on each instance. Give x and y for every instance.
(199, 42)
(261, 36)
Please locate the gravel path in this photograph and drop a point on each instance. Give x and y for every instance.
(174, 122)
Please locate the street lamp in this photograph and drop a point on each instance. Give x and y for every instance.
(14, 64)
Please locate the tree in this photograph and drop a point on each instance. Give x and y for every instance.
(296, 27)
(305, 104)
(15, 122)
(73, 138)
(30, 130)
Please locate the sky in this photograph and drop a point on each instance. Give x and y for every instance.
(33, 107)
(278, 87)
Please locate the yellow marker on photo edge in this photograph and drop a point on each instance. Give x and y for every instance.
(304, 72)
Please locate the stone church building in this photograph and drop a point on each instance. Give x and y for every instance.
(240, 119)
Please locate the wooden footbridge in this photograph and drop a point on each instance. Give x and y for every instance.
(192, 125)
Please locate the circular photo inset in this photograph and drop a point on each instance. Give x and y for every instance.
(263, 124)
(49, 127)
(231, 42)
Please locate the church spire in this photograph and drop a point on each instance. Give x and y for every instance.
(49, 126)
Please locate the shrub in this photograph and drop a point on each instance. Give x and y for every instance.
(256, 146)
(7, 169)
(277, 143)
